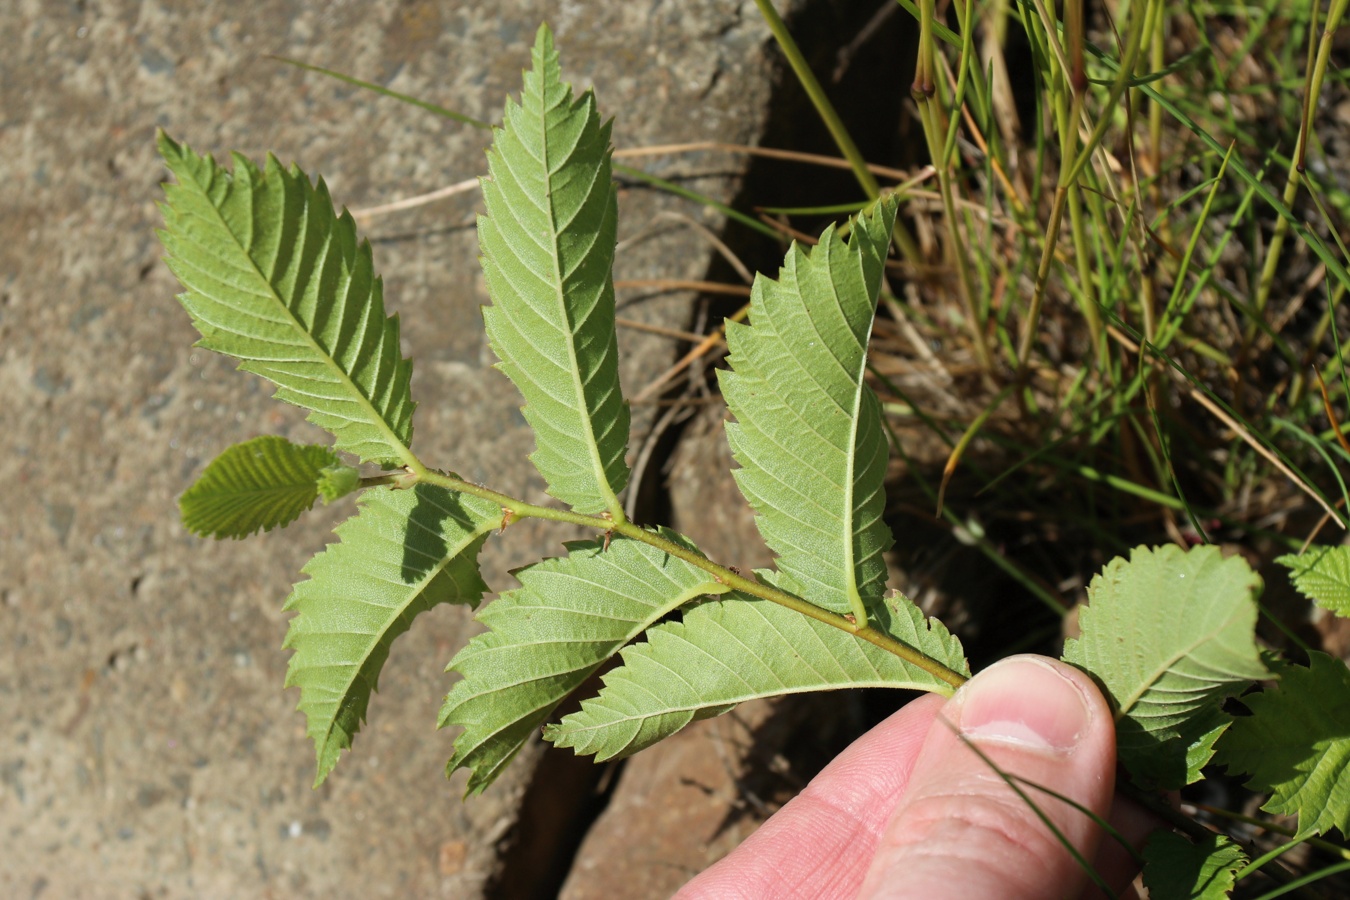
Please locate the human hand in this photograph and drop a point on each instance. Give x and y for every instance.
(909, 810)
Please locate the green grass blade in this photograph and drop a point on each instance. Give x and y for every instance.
(637, 174)
(403, 553)
(276, 279)
(1334, 265)
(548, 250)
(386, 92)
(808, 432)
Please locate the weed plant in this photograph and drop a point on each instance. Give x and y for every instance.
(1113, 308)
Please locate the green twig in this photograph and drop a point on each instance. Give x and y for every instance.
(825, 109)
(518, 509)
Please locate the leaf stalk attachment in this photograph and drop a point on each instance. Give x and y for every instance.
(519, 509)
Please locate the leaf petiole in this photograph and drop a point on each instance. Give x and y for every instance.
(521, 510)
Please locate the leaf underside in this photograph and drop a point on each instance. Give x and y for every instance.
(1176, 869)
(1322, 574)
(739, 648)
(569, 616)
(276, 279)
(808, 432)
(403, 553)
(263, 483)
(548, 242)
(1296, 744)
(1169, 634)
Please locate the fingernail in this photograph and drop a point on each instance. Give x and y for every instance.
(1024, 701)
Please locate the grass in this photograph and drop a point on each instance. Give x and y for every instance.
(1136, 264)
(1134, 269)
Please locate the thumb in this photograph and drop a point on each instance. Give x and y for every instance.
(961, 831)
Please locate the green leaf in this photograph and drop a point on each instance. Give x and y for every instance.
(727, 651)
(276, 279)
(263, 483)
(1207, 728)
(1322, 574)
(569, 616)
(808, 432)
(403, 553)
(1176, 869)
(1169, 635)
(338, 481)
(548, 251)
(1296, 744)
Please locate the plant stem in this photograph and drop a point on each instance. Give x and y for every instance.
(940, 147)
(825, 109)
(1296, 162)
(520, 510)
(1073, 158)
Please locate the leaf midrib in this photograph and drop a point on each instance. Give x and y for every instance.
(851, 570)
(1157, 673)
(413, 595)
(574, 369)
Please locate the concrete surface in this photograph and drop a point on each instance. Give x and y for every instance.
(147, 748)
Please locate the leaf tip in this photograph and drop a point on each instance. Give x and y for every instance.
(337, 481)
(166, 145)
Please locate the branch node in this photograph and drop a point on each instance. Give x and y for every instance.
(609, 533)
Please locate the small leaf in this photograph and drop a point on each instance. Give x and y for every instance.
(1208, 730)
(808, 432)
(567, 618)
(1296, 744)
(338, 481)
(1176, 869)
(1322, 574)
(276, 279)
(739, 648)
(403, 553)
(548, 250)
(1169, 635)
(263, 484)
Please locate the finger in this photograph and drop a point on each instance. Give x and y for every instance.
(820, 843)
(1116, 864)
(961, 831)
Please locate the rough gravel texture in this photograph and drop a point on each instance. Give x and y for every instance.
(147, 748)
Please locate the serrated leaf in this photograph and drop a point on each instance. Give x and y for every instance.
(548, 250)
(1208, 729)
(1176, 869)
(569, 616)
(276, 279)
(739, 648)
(808, 433)
(1296, 744)
(263, 484)
(1322, 574)
(1169, 634)
(403, 553)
